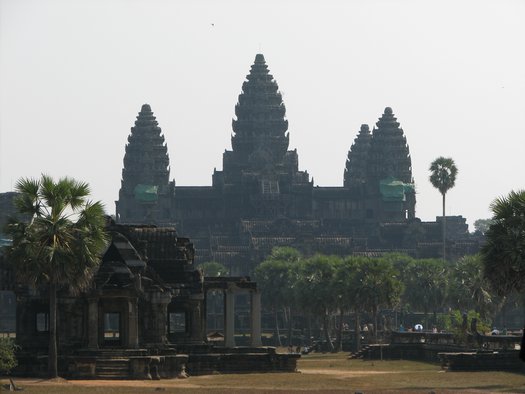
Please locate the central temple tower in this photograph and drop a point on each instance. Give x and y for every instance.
(260, 174)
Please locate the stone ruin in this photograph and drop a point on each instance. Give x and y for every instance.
(142, 317)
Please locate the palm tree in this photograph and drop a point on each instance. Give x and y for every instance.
(469, 289)
(60, 247)
(443, 173)
(503, 253)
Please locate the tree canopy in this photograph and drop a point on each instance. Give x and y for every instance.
(443, 172)
(503, 253)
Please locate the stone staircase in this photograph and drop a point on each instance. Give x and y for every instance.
(112, 368)
(360, 354)
(114, 363)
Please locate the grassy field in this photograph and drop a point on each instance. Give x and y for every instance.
(318, 373)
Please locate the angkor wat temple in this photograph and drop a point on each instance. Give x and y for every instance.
(261, 199)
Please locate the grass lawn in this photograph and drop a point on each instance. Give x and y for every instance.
(319, 373)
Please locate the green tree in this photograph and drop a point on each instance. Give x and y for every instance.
(275, 277)
(60, 247)
(482, 225)
(443, 173)
(426, 284)
(378, 286)
(349, 295)
(503, 253)
(7, 355)
(468, 288)
(315, 288)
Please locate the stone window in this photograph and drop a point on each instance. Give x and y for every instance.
(177, 322)
(269, 187)
(42, 322)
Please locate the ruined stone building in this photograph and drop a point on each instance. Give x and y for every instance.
(261, 199)
(7, 296)
(142, 316)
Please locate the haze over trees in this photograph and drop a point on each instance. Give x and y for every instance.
(328, 291)
(61, 245)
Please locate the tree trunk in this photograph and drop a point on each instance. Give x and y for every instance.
(357, 331)
(339, 340)
(327, 333)
(375, 313)
(53, 356)
(444, 230)
(277, 334)
(309, 340)
(290, 326)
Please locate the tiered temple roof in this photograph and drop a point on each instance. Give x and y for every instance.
(389, 156)
(356, 163)
(146, 161)
(260, 129)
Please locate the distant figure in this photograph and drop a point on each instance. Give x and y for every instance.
(494, 331)
(522, 347)
(418, 327)
(401, 328)
(290, 349)
(434, 330)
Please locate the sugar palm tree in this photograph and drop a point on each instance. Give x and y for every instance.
(443, 173)
(60, 246)
(503, 253)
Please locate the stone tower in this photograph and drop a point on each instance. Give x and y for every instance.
(389, 172)
(389, 156)
(260, 174)
(145, 191)
(356, 163)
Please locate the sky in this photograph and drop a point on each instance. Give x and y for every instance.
(74, 74)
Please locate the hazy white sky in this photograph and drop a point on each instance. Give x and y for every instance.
(74, 74)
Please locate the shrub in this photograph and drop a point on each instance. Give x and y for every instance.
(7, 355)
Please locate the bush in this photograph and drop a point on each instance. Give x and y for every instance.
(7, 355)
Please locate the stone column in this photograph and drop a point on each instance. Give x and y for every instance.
(229, 318)
(255, 298)
(157, 316)
(133, 324)
(93, 323)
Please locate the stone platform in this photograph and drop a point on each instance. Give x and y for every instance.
(168, 363)
(507, 360)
